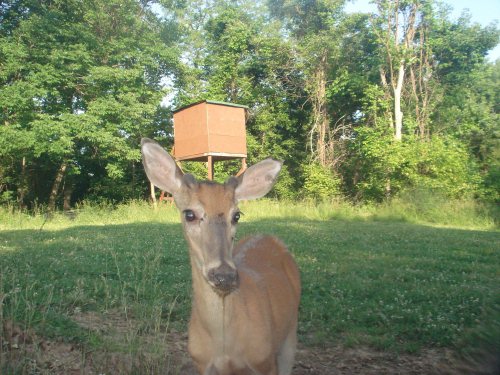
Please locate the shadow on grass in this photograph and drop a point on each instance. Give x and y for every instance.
(388, 284)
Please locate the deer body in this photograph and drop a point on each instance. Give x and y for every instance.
(247, 329)
(246, 297)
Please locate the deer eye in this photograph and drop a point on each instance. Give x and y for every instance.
(189, 215)
(236, 217)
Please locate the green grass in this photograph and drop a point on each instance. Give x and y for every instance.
(397, 277)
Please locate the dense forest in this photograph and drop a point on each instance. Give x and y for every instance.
(359, 106)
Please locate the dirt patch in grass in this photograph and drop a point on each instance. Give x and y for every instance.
(364, 361)
(130, 347)
(22, 352)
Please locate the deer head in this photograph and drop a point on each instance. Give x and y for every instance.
(209, 210)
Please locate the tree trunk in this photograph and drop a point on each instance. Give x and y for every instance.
(320, 113)
(56, 185)
(399, 18)
(152, 194)
(398, 115)
(387, 96)
(421, 78)
(21, 191)
(388, 187)
(68, 191)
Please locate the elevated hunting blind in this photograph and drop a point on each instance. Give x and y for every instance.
(210, 131)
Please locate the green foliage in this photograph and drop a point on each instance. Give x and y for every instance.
(473, 107)
(320, 182)
(374, 161)
(383, 167)
(490, 189)
(286, 187)
(441, 165)
(460, 46)
(81, 83)
(84, 94)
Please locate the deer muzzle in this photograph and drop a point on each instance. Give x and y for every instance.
(224, 279)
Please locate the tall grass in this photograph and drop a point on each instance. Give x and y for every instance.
(425, 207)
(417, 208)
(88, 214)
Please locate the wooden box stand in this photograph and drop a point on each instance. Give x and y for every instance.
(210, 131)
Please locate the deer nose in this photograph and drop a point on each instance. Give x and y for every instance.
(224, 278)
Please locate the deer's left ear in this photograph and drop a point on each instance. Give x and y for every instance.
(258, 180)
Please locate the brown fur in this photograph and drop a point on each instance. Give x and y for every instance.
(248, 326)
(257, 318)
(246, 298)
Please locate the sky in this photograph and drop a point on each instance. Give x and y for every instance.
(482, 11)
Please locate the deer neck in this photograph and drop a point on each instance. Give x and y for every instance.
(210, 312)
(209, 306)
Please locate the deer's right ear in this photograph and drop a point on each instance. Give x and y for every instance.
(160, 168)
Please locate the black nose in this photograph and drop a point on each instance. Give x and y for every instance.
(224, 278)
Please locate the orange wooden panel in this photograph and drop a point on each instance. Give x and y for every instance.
(190, 131)
(226, 120)
(209, 128)
(190, 147)
(227, 144)
(226, 129)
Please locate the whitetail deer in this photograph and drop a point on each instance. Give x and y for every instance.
(246, 297)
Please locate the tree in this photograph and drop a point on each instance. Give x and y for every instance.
(412, 36)
(314, 26)
(81, 82)
(241, 58)
(396, 26)
(469, 109)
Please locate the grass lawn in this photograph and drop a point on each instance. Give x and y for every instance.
(391, 278)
